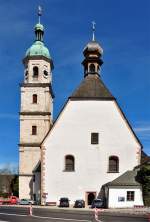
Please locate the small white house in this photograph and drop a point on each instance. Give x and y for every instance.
(124, 191)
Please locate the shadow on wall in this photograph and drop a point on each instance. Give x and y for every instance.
(103, 194)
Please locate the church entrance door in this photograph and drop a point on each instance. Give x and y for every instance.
(90, 197)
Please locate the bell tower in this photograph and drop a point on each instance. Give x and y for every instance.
(36, 108)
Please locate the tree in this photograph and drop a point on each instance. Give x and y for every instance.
(15, 185)
(8, 180)
(143, 177)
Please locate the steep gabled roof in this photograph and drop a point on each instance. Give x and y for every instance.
(92, 87)
(126, 179)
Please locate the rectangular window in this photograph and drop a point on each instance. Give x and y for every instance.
(130, 195)
(34, 130)
(94, 138)
(34, 98)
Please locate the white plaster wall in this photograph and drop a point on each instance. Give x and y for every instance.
(72, 135)
(114, 193)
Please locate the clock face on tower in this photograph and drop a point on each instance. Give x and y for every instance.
(45, 73)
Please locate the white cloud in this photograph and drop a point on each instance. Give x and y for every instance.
(142, 129)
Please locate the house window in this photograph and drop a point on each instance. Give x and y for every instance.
(69, 163)
(113, 164)
(35, 72)
(34, 98)
(34, 130)
(94, 138)
(130, 195)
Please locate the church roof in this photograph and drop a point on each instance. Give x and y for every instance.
(126, 179)
(92, 87)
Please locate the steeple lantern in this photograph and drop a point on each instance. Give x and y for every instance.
(92, 53)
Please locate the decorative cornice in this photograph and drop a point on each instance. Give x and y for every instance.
(25, 174)
(30, 144)
(38, 57)
(35, 113)
(39, 85)
(35, 85)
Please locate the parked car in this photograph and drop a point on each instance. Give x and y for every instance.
(79, 203)
(24, 202)
(64, 202)
(8, 200)
(33, 202)
(97, 203)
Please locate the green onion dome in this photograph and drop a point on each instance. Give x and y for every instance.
(38, 48)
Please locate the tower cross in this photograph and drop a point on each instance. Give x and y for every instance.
(39, 13)
(93, 29)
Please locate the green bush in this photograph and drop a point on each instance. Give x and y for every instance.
(143, 177)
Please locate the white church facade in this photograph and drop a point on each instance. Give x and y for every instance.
(89, 151)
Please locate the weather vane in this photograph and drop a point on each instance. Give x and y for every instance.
(39, 12)
(93, 29)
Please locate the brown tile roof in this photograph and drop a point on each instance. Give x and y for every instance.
(92, 87)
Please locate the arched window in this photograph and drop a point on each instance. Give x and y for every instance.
(113, 164)
(92, 68)
(34, 98)
(69, 163)
(35, 72)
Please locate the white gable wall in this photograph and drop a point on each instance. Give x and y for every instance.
(72, 135)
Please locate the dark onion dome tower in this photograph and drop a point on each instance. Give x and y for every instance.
(92, 85)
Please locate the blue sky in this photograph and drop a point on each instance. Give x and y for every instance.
(122, 29)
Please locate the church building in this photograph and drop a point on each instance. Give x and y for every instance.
(89, 151)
